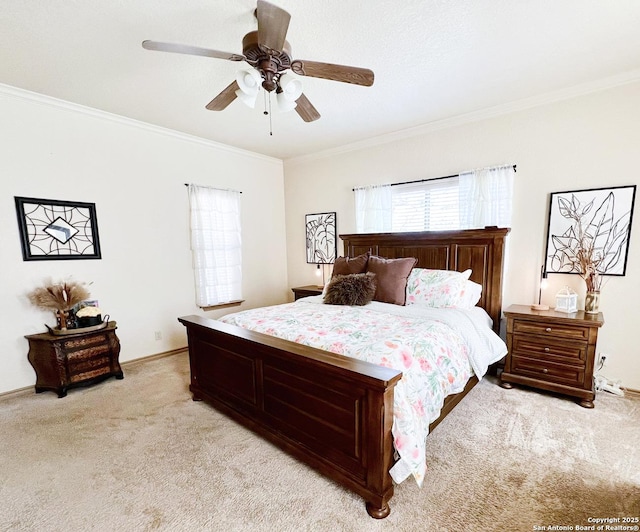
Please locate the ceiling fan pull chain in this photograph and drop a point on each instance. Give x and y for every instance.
(270, 115)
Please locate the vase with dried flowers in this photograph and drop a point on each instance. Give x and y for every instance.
(593, 281)
(60, 298)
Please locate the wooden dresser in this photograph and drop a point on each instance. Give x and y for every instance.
(66, 361)
(552, 351)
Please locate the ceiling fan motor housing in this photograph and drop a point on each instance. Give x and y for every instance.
(269, 63)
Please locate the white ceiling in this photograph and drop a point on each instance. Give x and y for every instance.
(433, 60)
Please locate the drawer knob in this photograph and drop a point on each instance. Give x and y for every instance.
(548, 329)
(546, 349)
(545, 370)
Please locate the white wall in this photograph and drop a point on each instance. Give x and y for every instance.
(590, 141)
(135, 175)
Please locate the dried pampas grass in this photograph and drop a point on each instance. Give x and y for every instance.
(60, 296)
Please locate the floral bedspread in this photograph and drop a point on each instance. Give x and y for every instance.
(436, 350)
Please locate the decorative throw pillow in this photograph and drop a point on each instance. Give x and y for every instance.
(439, 288)
(353, 289)
(391, 278)
(349, 265)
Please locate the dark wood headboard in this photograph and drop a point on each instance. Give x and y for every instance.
(481, 250)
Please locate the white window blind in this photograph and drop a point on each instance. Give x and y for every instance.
(426, 206)
(216, 245)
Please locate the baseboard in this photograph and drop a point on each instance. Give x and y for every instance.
(631, 392)
(148, 358)
(29, 389)
(17, 391)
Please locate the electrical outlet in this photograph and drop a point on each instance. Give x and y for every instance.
(158, 335)
(601, 360)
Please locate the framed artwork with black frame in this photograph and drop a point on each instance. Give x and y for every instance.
(597, 220)
(57, 230)
(321, 239)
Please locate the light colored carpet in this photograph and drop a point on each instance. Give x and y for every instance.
(140, 455)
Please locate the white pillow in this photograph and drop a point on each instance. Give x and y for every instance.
(441, 288)
(472, 294)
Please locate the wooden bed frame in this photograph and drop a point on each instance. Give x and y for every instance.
(333, 412)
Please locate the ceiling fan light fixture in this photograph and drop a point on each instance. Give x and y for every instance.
(291, 86)
(285, 104)
(249, 81)
(248, 99)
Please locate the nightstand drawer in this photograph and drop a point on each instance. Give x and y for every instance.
(550, 349)
(549, 329)
(547, 371)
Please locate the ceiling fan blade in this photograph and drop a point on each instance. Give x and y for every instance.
(346, 74)
(273, 23)
(306, 110)
(190, 50)
(223, 99)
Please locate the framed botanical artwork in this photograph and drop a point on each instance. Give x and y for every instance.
(321, 239)
(590, 227)
(57, 230)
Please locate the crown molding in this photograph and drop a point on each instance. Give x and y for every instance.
(41, 99)
(475, 116)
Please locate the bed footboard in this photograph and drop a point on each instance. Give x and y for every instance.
(330, 411)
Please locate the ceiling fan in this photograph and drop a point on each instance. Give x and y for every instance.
(267, 51)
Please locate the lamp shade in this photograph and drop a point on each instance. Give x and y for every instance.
(291, 86)
(249, 81)
(248, 99)
(284, 103)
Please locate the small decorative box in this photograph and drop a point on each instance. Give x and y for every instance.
(566, 300)
(89, 321)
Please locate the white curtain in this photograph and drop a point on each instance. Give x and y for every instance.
(216, 245)
(485, 197)
(373, 209)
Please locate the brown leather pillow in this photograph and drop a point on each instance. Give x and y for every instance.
(347, 266)
(391, 278)
(353, 289)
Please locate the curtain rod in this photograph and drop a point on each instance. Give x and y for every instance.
(217, 188)
(443, 177)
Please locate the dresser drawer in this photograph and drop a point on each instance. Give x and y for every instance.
(548, 371)
(550, 349)
(550, 330)
(87, 353)
(76, 342)
(91, 370)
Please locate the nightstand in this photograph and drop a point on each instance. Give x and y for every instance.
(66, 361)
(304, 291)
(551, 350)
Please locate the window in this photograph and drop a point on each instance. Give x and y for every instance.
(470, 200)
(216, 245)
